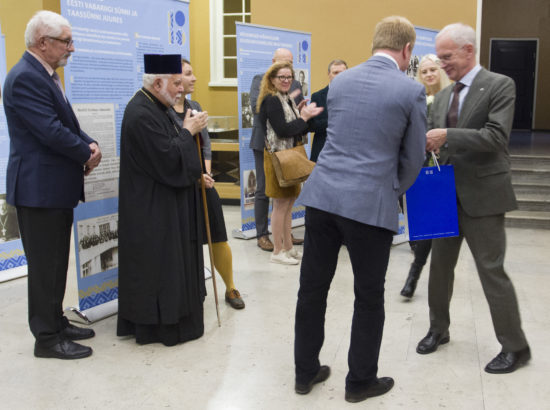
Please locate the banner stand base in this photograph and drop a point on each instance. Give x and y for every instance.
(240, 234)
(94, 314)
(75, 315)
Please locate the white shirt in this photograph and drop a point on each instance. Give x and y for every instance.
(467, 81)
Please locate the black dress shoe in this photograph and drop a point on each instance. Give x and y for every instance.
(72, 332)
(378, 388)
(233, 297)
(321, 376)
(507, 362)
(432, 340)
(65, 349)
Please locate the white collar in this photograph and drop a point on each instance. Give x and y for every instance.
(382, 54)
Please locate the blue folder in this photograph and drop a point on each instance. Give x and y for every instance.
(430, 204)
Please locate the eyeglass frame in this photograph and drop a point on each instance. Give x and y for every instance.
(284, 77)
(68, 41)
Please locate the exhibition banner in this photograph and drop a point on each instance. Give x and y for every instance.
(425, 44)
(255, 47)
(13, 263)
(110, 38)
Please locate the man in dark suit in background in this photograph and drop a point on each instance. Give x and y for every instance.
(375, 145)
(319, 124)
(49, 156)
(257, 143)
(471, 123)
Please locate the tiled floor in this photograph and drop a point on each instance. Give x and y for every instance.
(248, 362)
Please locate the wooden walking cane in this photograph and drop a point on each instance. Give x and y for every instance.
(207, 224)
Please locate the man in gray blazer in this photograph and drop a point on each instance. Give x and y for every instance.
(257, 143)
(471, 123)
(373, 153)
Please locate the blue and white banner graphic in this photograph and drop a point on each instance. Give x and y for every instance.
(255, 47)
(13, 263)
(110, 38)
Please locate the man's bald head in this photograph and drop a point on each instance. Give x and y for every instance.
(282, 55)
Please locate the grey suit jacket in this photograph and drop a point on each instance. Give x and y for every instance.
(478, 147)
(376, 138)
(257, 140)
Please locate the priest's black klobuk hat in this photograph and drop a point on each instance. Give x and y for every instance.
(162, 63)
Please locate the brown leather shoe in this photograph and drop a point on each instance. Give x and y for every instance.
(233, 297)
(297, 241)
(265, 244)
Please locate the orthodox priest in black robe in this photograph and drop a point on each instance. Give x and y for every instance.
(161, 270)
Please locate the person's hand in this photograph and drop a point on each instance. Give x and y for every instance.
(94, 160)
(435, 139)
(310, 111)
(302, 104)
(208, 180)
(295, 93)
(196, 122)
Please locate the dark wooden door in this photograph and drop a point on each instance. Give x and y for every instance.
(518, 59)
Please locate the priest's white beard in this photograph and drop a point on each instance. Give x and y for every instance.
(166, 95)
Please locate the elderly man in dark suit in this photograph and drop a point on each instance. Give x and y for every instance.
(374, 151)
(319, 124)
(49, 156)
(257, 143)
(471, 122)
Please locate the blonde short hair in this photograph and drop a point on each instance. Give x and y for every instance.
(393, 33)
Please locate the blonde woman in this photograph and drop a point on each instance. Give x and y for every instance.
(285, 126)
(432, 76)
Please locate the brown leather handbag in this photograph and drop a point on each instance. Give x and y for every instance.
(291, 166)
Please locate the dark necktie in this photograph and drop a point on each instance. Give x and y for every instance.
(452, 115)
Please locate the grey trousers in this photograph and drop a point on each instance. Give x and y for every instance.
(486, 239)
(261, 202)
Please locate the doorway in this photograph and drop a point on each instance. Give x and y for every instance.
(517, 58)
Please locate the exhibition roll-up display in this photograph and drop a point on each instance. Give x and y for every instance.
(110, 38)
(255, 47)
(13, 263)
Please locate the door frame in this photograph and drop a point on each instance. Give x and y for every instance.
(536, 67)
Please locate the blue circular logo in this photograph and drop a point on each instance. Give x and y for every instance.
(180, 18)
(305, 45)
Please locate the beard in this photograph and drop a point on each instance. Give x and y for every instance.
(167, 97)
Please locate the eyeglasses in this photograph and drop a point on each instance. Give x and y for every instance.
(448, 57)
(68, 41)
(284, 77)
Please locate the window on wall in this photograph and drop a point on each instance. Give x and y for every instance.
(223, 39)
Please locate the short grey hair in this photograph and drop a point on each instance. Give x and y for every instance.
(44, 23)
(460, 33)
(149, 79)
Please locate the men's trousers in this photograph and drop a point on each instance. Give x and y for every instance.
(486, 239)
(369, 248)
(261, 202)
(46, 236)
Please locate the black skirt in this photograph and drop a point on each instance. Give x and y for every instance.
(215, 216)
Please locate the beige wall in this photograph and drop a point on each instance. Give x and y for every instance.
(215, 100)
(14, 16)
(525, 19)
(343, 29)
